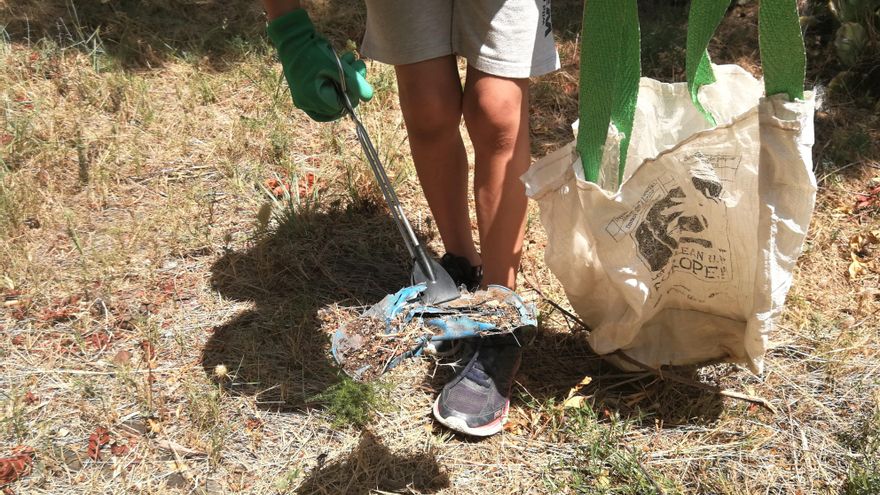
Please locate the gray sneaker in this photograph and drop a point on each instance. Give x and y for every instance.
(477, 400)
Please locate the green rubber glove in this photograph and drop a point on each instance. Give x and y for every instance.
(309, 64)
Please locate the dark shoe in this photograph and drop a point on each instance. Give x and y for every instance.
(461, 271)
(477, 400)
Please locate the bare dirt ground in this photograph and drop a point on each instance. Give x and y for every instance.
(171, 229)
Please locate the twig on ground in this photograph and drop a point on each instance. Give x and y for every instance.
(644, 470)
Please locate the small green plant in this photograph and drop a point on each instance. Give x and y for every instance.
(604, 464)
(287, 481)
(856, 41)
(863, 477)
(352, 403)
(13, 419)
(204, 407)
(87, 389)
(857, 34)
(10, 207)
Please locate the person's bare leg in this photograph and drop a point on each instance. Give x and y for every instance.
(431, 99)
(496, 113)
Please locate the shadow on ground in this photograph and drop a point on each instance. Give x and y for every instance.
(141, 34)
(313, 259)
(556, 360)
(371, 467)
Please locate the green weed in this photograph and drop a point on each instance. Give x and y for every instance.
(863, 477)
(604, 463)
(351, 403)
(847, 145)
(13, 419)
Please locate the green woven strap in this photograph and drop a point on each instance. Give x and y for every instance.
(782, 48)
(703, 20)
(610, 65)
(780, 40)
(609, 87)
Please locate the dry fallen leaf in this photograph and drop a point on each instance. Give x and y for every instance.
(253, 424)
(18, 465)
(574, 401)
(122, 358)
(516, 421)
(118, 449)
(155, 425)
(856, 267)
(98, 340)
(99, 438)
(149, 350)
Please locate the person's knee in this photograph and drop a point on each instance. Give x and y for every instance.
(495, 118)
(430, 114)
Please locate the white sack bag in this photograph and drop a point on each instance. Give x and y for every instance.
(690, 259)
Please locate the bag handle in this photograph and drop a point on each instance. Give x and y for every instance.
(609, 79)
(780, 41)
(610, 65)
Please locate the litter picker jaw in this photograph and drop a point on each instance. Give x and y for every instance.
(439, 286)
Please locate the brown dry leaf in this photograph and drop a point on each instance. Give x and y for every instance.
(307, 184)
(61, 310)
(99, 438)
(867, 200)
(155, 425)
(122, 358)
(278, 188)
(856, 267)
(98, 340)
(574, 400)
(516, 421)
(30, 399)
(253, 424)
(149, 350)
(118, 449)
(859, 244)
(18, 465)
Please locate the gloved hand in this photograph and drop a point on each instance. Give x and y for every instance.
(309, 64)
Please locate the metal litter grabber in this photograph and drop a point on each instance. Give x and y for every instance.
(439, 286)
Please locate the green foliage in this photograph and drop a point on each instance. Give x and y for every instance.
(204, 408)
(850, 41)
(604, 463)
(854, 10)
(863, 477)
(352, 403)
(857, 35)
(862, 481)
(848, 144)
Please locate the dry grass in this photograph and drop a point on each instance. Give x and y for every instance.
(151, 285)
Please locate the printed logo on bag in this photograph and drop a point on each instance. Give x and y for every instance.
(546, 18)
(671, 222)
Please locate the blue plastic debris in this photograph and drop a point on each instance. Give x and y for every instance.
(472, 315)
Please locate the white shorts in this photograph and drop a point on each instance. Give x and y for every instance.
(507, 38)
